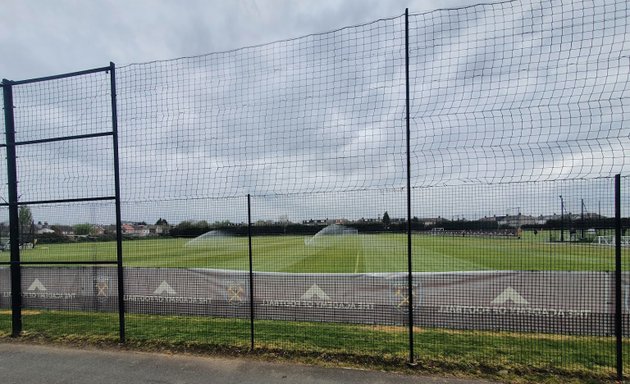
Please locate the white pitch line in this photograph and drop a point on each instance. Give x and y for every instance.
(356, 265)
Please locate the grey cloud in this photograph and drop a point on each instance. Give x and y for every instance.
(40, 37)
(495, 100)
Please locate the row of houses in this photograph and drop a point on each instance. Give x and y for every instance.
(342, 221)
(141, 229)
(128, 229)
(517, 221)
(514, 221)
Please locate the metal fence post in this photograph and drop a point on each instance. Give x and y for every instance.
(251, 271)
(14, 225)
(119, 250)
(618, 298)
(408, 133)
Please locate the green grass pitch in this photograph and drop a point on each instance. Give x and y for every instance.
(525, 357)
(344, 254)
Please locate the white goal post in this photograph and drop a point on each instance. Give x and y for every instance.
(610, 240)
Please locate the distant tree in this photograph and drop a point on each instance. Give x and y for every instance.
(190, 228)
(386, 219)
(51, 238)
(82, 229)
(26, 225)
(161, 221)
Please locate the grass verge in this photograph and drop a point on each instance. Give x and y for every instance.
(503, 356)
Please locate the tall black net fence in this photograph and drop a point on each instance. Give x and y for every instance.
(269, 200)
(67, 169)
(5, 277)
(189, 283)
(519, 91)
(63, 161)
(77, 296)
(625, 276)
(332, 270)
(533, 283)
(322, 113)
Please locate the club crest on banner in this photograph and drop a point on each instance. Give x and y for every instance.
(399, 297)
(235, 292)
(102, 286)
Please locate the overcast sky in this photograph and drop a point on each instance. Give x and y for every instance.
(314, 127)
(42, 37)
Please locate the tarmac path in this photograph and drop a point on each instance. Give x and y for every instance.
(37, 364)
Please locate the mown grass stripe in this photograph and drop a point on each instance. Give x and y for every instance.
(374, 252)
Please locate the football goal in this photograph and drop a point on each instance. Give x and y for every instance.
(610, 240)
